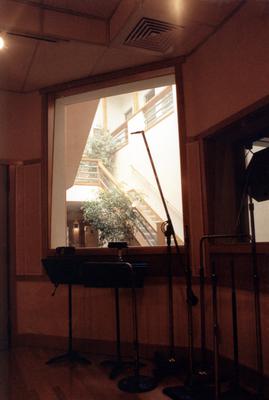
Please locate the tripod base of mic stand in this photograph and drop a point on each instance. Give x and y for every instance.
(166, 366)
(239, 393)
(202, 376)
(137, 384)
(70, 356)
(118, 366)
(185, 393)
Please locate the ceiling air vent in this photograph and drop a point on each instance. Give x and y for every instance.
(151, 34)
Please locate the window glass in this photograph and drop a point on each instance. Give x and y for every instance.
(104, 188)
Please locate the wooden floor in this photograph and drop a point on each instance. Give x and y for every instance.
(24, 375)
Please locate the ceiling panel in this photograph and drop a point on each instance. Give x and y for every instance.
(61, 62)
(28, 64)
(119, 58)
(98, 8)
(15, 60)
(189, 38)
(182, 12)
(173, 27)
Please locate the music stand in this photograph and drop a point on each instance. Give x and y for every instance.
(63, 270)
(117, 366)
(121, 274)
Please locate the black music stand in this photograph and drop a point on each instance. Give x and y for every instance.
(117, 366)
(62, 270)
(121, 274)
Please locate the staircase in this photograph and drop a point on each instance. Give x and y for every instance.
(92, 172)
(148, 215)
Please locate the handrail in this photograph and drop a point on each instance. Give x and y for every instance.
(155, 99)
(120, 136)
(145, 108)
(158, 218)
(170, 206)
(158, 110)
(119, 128)
(146, 225)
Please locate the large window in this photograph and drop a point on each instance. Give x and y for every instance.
(103, 186)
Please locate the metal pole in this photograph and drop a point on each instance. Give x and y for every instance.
(117, 315)
(256, 285)
(235, 327)
(215, 330)
(70, 332)
(202, 289)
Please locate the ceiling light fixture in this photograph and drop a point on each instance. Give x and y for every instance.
(2, 43)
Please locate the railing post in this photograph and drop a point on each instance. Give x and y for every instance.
(160, 238)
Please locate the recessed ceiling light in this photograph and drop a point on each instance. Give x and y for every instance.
(2, 43)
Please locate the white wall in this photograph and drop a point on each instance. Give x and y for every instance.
(163, 143)
(116, 107)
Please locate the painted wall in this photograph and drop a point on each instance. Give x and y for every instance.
(137, 173)
(72, 125)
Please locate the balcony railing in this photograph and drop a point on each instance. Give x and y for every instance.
(158, 110)
(120, 136)
(88, 172)
(154, 111)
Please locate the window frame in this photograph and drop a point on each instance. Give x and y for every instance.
(51, 94)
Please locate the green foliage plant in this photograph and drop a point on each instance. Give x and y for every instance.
(102, 147)
(112, 215)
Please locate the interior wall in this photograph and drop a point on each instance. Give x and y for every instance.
(28, 237)
(20, 126)
(228, 73)
(20, 139)
(94, 313)
(3, 258)
(223, 77)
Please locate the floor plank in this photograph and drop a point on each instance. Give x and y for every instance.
(24, 374)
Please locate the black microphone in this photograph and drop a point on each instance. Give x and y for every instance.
(136, 132)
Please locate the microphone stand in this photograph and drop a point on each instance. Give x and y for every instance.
(257, 306)
(171, 365)
(204, 370)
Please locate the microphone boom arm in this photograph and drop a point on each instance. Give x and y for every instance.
(191, 298)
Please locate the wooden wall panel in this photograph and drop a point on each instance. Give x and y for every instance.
(41, 314)
(93, 309)
(220, 78)
(3, 257)
(195, 201)
(28, 219)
